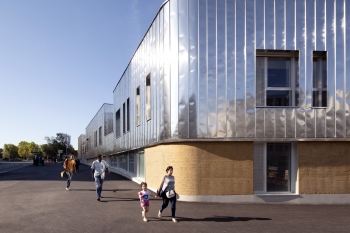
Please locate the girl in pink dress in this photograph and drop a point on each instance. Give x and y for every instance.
(144, 196)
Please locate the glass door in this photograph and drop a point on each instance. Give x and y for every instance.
(278, 167)
(141, 164)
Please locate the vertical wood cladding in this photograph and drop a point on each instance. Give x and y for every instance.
(324, 167)
(203, 168)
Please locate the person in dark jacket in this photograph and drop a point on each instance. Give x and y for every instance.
(77, 163)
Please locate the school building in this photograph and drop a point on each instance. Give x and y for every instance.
(248, 100)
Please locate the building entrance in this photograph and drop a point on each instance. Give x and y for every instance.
(278, 166)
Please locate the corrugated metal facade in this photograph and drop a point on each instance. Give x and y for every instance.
(201, 59)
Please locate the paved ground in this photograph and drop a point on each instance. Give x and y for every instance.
(34, 199)
(9, 166)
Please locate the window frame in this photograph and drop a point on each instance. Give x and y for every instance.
(148, 98)
(117, 124)
(124, 119)
(319, 55)
(128, 115)
(294, 77)
(138, 106)
(100, 136)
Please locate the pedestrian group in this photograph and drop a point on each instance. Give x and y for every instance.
(99, 167)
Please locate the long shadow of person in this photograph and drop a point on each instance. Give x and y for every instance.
(222, 219)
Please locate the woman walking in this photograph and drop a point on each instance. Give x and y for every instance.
(167, 192)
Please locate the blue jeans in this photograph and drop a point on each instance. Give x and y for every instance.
(99, 183)
(166, 202)
(69, 178)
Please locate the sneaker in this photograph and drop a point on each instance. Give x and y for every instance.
(98, 199)
(145, 219)
(67, 188)
(174, 220)
(159, 214)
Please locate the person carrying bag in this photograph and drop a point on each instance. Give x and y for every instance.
(167, 192)
(63, 173)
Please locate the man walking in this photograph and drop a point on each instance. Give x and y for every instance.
(98, 168)
(69, 166)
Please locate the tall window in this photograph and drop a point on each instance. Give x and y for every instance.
(148, 97)
(100, 136)
(124, 118)
(131, 162)
(319, 78)
(128, 115)
(277, 78)
(95, 138)
(108, 123)
(278, 167)
(138, 106)
(87, 145)
(117, 123)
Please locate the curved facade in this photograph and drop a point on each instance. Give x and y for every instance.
(271, 73)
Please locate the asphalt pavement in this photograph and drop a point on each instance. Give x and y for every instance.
(10, 166)
(34, 199)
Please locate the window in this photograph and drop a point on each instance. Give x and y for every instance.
(275, 167)
(278, 167)
(114, 160)
(131, 162)
(124, 118)
(87, 145)
(100, 136)
(319, 79)
(138, 107)
(128, 115)
(95, 137)
(108, 123)
(117, 123)
(148, 97)
(277, 78)
(122, 161)
(141, 163)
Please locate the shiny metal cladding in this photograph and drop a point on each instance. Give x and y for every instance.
(207, 83)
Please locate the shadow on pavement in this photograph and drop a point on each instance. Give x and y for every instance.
(221, 219)
(106, 190)
(50, 171)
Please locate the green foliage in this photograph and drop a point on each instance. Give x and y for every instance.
(25, 149)
(10, 151)
(50, 149)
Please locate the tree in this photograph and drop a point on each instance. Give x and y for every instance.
(1, 151)
(60, 142)
(25, 149)
(10, 151)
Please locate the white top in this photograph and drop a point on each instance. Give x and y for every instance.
(99, 168)
(145, 195)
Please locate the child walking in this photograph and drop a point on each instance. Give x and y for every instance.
(144, 195)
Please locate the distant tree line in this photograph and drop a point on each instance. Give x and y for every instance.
(25, 150)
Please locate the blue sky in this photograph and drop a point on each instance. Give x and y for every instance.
(60, 61)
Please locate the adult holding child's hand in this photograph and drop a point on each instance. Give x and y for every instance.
(167, 192)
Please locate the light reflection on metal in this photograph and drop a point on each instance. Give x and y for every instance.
(200, 55)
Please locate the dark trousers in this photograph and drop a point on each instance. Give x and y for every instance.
(166, 202)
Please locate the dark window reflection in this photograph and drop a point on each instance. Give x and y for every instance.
(278, 98)
(278, 72)
(278, 167)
